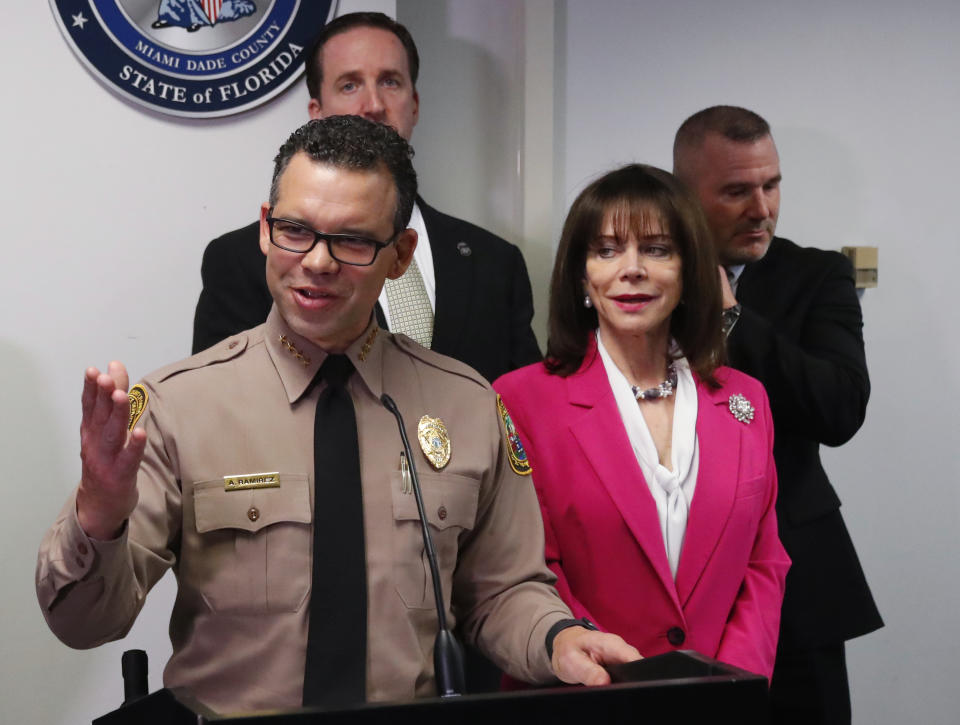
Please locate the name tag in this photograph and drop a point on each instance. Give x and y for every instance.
(251, 480)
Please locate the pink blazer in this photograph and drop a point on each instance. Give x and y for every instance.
(603, 535)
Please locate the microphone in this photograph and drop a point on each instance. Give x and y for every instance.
(447, 654)
(133, 665)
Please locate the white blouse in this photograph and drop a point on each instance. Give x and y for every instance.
(672, 490)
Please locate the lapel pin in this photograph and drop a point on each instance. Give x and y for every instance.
(464, 248)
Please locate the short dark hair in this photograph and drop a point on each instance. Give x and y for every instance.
(313, 58)
(635, 193)
(355, 143)
(732, 122)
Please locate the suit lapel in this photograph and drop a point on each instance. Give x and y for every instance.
(606, 446)
(455, 280)
(717, 476)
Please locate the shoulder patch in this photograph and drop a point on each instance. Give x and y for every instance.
(515, 452)
(138, 398)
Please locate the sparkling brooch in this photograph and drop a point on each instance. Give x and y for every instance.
(741, 408)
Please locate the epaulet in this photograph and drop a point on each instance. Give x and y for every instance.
(436, 360)
(220, 352)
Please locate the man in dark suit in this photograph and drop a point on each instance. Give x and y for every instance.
(471, 289)
(794, 322)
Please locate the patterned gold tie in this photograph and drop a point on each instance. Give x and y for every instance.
(410, 311)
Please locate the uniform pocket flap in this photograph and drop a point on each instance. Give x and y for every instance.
(449, 500)
(251, 509)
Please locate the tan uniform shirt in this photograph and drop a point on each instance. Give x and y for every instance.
(242, 558)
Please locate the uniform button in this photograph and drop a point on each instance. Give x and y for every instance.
(82, 549)
(676, 636)
(253, 514)
(442, 513)
(232, 345)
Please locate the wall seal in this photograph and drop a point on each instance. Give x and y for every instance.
(193, 58)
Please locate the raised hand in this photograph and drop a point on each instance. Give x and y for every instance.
(110, 454)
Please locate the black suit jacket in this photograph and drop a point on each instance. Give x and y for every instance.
(800, 333)
(483, 305)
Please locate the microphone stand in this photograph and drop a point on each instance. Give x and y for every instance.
(447, 655)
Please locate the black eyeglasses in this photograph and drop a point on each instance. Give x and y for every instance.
(345, 248)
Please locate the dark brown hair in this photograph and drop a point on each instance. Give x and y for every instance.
(357, 144)
(314, 61)
(635, 193)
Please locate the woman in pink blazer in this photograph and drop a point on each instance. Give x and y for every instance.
(652, 461)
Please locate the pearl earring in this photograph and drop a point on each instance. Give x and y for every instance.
(587, 302)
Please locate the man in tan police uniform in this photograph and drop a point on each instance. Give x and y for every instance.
(215, 477)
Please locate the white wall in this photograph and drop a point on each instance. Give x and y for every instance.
(864, 102)
(468, 53)
(108, 208)
(484, 141)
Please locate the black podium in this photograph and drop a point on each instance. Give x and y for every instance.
(675, 688)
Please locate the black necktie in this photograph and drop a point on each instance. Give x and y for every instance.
(335, 673)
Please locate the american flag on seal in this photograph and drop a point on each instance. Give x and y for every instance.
(212, 9)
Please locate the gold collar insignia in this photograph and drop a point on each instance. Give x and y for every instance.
(292, 349)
